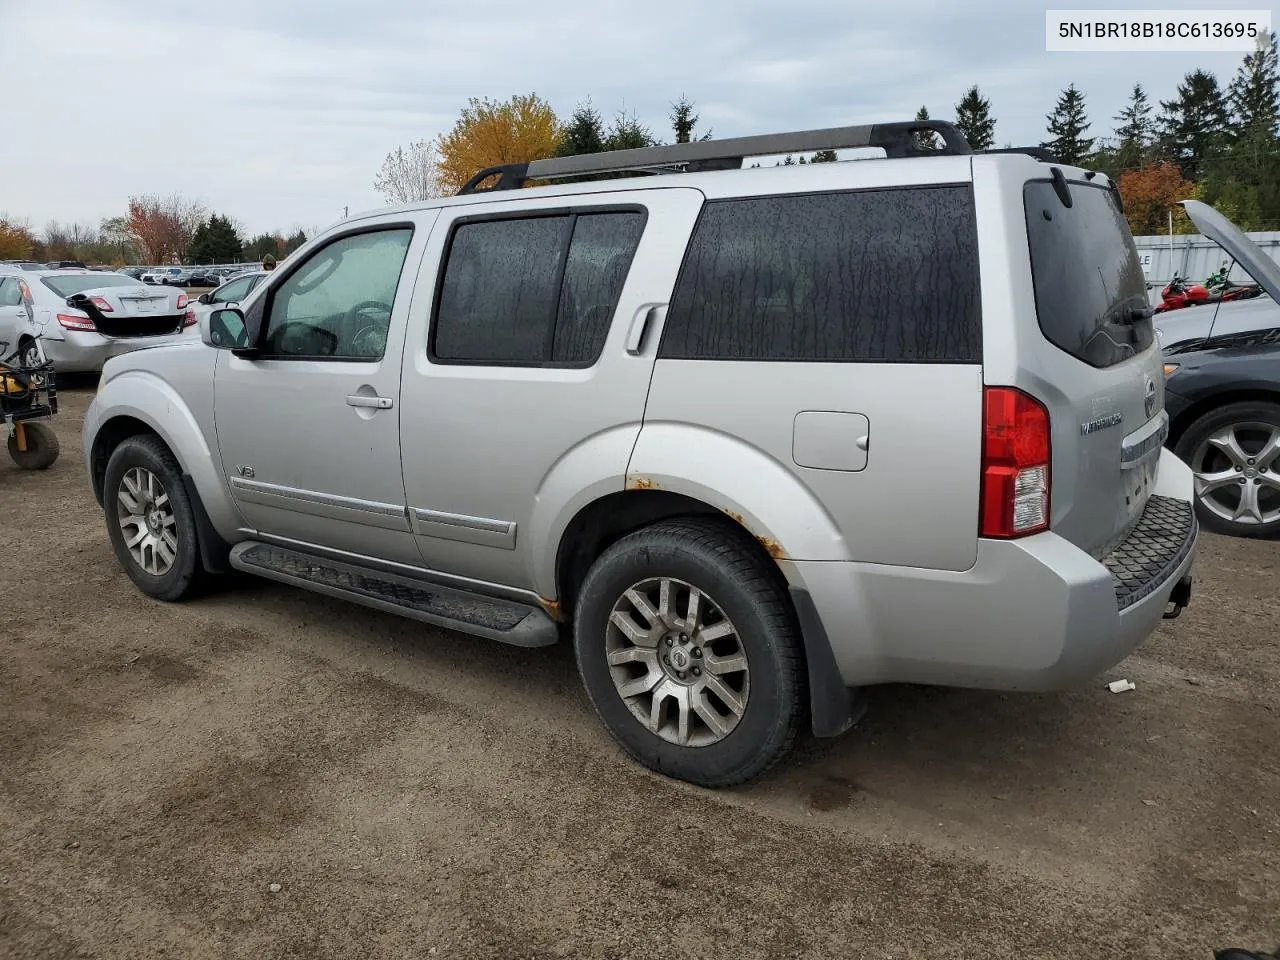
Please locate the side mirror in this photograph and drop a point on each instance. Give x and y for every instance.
(226, 330)
(204, 298)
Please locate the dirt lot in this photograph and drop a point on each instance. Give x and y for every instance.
(419, 793)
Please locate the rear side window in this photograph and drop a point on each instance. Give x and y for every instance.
(876, 275)
(10, 293)
(533, 291)
(1086, 272)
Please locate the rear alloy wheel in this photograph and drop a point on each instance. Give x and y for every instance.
(1234, 453)
(29, 353)
(677, 662)
(688, 647)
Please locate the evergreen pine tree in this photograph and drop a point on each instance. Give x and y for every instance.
(683, 120)
(1252, 94)
(926, 141)
(1135, 131)
(1067, 126)
(1193, 126)
(973, 117)
(584, 132)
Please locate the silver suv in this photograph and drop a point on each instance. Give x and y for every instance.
(754, 438)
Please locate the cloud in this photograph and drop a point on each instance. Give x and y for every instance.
(280, 113)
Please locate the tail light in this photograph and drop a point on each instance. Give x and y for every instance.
(182, 300)
(1015, 464)
(71, 322)
(102, 304)
(189, 319)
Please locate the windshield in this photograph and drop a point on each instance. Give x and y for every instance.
(78, 283)
(1086, 273)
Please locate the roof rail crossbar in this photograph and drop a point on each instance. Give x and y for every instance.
(907, 139)
(1040, 153)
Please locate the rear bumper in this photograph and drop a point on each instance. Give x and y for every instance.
(1033, 614)
(83, 352)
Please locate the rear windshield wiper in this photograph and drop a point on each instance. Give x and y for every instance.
(1129, 315)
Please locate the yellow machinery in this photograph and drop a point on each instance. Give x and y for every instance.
(28, 398)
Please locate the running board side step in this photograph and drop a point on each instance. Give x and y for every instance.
(506, 621)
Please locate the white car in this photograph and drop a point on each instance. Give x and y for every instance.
(81, 318)
(19, 334)
(161, 275)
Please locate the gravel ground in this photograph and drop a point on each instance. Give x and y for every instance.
(268, 773)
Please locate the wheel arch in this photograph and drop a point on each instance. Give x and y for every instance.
(833, 707)
(137, 403)
(1210, 402)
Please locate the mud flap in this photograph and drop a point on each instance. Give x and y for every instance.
(214, 551)
(833, 707)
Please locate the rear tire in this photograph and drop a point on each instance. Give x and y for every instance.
(42, 447)
(150, 520)
(28, 353)
(729, 686)
(1234, 452)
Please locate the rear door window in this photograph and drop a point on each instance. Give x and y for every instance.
(534, 290)
(887, 275)
(1086, 272)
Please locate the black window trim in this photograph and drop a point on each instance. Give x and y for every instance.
(267, 300)
(1113, 191)
(684, 263)
(537, 213)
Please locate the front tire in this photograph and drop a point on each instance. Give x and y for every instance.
(150, 520)
(689, 650)
(1234, 453)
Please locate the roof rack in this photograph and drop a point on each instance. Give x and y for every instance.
(1040, 153)
(896, 139)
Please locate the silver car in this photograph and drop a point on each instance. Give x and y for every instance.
(752, 439)
(82, 318)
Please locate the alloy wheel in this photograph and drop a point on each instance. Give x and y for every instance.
(1236, 473)
(146, 519)
(677, 662)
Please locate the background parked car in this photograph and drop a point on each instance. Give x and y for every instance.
(19, 334)
(161, 275)
(1222, 392)
(82, 318)
(228, 294)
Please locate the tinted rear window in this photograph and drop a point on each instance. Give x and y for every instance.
(1086, 273)
(78, 283)
(875, 275)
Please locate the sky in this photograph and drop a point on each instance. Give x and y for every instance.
(279, 113)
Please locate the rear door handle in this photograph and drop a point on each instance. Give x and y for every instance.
(640, 328)
(377, 403)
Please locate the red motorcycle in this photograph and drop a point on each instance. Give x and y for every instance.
(1181, 292)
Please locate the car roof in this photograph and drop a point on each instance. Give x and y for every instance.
(770, 180)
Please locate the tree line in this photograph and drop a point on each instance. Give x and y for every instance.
(155, 230)
(1219, 145)
(1207, 142)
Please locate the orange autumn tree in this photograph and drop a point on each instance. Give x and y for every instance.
(15, 241)
(1150, 193)
(163, 227)
(491, 132)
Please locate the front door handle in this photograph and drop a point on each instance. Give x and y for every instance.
(377, 403)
